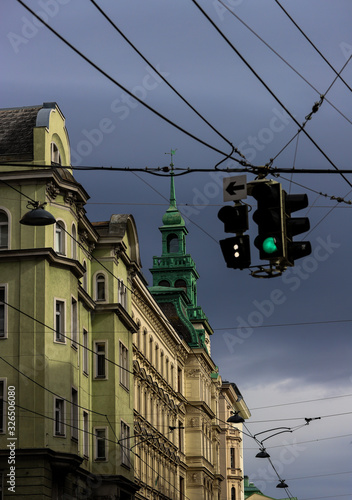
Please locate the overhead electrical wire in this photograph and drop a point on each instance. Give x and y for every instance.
(302, 323)
(282, 58)
(268, 89)
(312, 44)
(314, 110)
(254, 169)
(113, 24)
(115, 82)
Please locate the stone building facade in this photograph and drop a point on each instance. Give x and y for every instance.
(116, 393)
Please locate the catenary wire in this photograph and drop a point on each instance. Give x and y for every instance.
(314, 110)
(282, 58)
(163, 78)
(269, 90)
(115, 82)
(312, 44)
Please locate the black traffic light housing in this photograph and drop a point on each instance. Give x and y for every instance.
(236, 250)
(270, 219)
(276, 228)
(295, 226)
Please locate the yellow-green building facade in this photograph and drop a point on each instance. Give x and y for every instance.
(112, 385)
(66, 383)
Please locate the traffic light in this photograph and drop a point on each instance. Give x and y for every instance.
(276, 228)
(236, 250)
(270, 219)
(295, 226)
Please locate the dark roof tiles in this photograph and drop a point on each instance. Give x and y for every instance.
(16, 131)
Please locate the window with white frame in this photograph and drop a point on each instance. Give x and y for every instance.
(59, 416)
(3, 311)
(100, 443)
(59, 321)
(74, 413)
(85, 434)
(2, 404)
(100, 359)
(60, 237)
(124, 367)
(85, 352)
(4, 230)
(74, 322)
(125, 444)
(100, 292)
(122, 293)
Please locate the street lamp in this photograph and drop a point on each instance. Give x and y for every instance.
(37, 215)
(235, 418)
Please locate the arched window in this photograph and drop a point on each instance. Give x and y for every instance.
(172, 243)
(60, 237)
(85, 277)
(181, 284)
(55, 154)
(4, 230)
(164, 283)
(74, 242)
(233, 493)
(100, 287)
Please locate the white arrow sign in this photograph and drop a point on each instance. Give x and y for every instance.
(235, 188)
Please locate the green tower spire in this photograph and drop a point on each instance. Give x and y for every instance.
(174, 272)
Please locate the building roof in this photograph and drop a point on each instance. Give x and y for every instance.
(16, 130)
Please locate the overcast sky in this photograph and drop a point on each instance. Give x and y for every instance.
(284, 340)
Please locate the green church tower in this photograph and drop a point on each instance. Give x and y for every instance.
(175, 278)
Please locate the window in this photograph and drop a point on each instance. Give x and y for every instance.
(162, 363)
(100, 287)
(181, 284)
(100, 444)
(124, 368)
(74, 242)
(60, 237)
(74, 414)
(156, 357)
(74, 325)
(55, 154)
(172, 243)
(164, 283)
(4, 230)
(85, 277)
(233, 493)
(232, 458)
(59, 412)
(122, 293)
(85, 352)
(85, 434)
(59, 321)
(100, 360)
(3, 309)
(179, 380)
(2, 405)
(125, 444)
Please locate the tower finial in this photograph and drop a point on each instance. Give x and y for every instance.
(172, 183)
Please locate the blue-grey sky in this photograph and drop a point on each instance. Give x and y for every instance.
(283, 340)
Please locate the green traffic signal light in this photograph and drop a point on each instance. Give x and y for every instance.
(269, 245)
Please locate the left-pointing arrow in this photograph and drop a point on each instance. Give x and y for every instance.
(232, 188)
